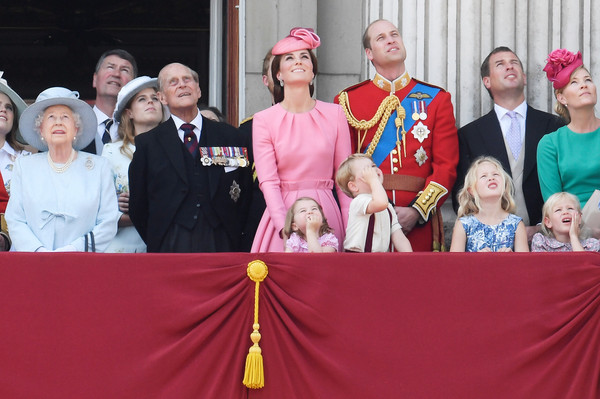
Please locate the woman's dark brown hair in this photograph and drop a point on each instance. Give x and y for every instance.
(11, 137)
(277, 88)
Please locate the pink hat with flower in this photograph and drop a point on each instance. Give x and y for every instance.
(298, 39)
(560, 65)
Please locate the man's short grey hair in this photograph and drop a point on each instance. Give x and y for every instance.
(161, 76)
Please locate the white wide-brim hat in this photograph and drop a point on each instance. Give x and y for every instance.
(19, 103)
(59, 96)
(130, 90)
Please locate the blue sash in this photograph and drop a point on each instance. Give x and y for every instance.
(387, 142)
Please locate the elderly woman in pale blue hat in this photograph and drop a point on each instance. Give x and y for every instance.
(68, 202)
(138, 110)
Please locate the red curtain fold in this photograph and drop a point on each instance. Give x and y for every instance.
(120, 326)
(332, 325)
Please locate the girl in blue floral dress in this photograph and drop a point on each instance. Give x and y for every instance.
(486, 222)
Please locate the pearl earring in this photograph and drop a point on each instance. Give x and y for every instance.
(281, 83)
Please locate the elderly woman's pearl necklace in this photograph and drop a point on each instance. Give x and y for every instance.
(65, 166)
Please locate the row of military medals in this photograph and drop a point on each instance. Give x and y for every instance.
(419, 109)
(224, 156)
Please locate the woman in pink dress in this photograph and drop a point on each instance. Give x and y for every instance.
(298, 143)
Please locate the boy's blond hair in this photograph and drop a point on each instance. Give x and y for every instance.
(344, 174)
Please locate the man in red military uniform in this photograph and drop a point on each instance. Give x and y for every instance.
(408, 127)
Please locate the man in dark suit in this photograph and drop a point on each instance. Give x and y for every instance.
(114, 69)
(190, 180)
(503, 76)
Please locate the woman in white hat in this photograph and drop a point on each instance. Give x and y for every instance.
(11, 147)
(138, 110)
(62, 199)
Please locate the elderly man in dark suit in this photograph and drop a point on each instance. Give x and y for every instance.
(189, 179)
(510, 132)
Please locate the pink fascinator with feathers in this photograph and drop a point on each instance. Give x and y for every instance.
(298, 39)
(560, 65)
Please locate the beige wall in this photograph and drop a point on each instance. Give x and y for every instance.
(446, 41)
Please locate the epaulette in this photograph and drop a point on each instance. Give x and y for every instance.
(429, 84)
(246, 120)
(355, 86)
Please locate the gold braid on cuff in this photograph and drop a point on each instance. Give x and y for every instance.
(427, 199)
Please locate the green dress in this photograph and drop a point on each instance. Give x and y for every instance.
(569, 161)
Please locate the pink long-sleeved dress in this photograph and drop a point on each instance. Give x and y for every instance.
(297, 155)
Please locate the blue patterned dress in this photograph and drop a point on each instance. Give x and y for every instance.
(495, 237)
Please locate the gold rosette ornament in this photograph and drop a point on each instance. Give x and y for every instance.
(254, 375)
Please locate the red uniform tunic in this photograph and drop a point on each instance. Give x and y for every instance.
(434, 159)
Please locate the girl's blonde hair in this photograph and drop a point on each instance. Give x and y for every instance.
(289, 219)
(551, 203)
(468, 198)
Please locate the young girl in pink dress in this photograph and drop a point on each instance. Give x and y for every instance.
(298, 143)
(307, 228)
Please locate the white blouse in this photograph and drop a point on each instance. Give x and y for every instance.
(8, 156)
(127, 238)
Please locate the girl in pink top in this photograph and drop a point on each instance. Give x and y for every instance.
(298, 143)
(307, 228)
(561, 227)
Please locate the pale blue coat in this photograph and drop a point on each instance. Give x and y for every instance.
(51, 210)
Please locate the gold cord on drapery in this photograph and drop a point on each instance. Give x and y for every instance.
(254, 376)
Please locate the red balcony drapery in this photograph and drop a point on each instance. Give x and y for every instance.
(332, 325)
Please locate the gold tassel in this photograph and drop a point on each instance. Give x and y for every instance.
(400, 116)
(254, 375)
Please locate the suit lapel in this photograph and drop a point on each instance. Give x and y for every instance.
(170, 142)
(494, 140)
(534, 129)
